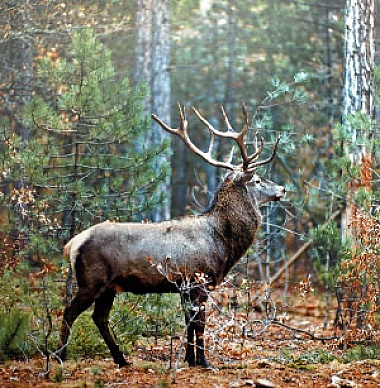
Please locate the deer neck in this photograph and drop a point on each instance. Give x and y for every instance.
(237, 220)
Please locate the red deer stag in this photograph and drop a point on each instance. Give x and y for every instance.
(158, 257)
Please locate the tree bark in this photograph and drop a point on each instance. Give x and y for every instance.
(143, 48)
(358, 97)
(17, 69)
(358, 93)
(152, 67)
(161, 89)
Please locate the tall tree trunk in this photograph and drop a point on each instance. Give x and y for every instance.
(358, 96)
(329, 70)
(16, 85)
(17, 65)
(152, 67)
(161, 90)
(143, 48)
(230, 95)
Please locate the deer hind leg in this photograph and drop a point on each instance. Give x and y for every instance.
(102, 310)
(81, 302)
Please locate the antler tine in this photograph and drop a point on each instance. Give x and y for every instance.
(183, 134)
(176, 131)
(238, 136)
(182, 115)
(246, 159)
(245, 115)
(234, 134)
(228, 124)
(253, 166)
(258, 151)
(231, 156)
(231, 134)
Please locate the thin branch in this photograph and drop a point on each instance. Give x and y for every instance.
(308, 333)
(299, 253)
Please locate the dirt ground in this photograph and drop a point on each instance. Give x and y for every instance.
(254, 372)
(275, 356)
(259, 366)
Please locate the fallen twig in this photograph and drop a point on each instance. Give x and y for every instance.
(308, 333)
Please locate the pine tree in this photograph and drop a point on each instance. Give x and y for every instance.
(80, 165)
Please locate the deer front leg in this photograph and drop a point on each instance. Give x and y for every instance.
(199, 327)
(190, 329)
(200, 343)
(190, 353)
(195, 316)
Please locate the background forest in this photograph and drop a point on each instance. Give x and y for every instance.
(78, 84)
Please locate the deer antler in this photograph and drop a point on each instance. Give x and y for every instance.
(181, 132)
(254, 165)
(249, 161)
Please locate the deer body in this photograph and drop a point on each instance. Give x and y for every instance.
(131, 253)
(161, 257)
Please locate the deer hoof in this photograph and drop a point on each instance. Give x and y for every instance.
(210, 367)
(206, 364)
(122, 363)
(60, 355)
(190, 360)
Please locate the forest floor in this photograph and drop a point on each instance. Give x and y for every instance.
(276, 356)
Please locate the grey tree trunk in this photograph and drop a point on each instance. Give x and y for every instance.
(161, 90)
(230, 95)
(152, 67)
(143, 48)
(16, 71)
(358, 93)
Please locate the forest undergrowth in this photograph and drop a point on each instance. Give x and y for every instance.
(278, 343)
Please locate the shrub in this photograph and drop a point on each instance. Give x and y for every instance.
(133, 317)
(14, 325)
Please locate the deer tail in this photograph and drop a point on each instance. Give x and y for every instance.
(72, 249)
(67, 249)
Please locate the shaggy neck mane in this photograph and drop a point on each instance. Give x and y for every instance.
(214, 200)
(237, 220)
